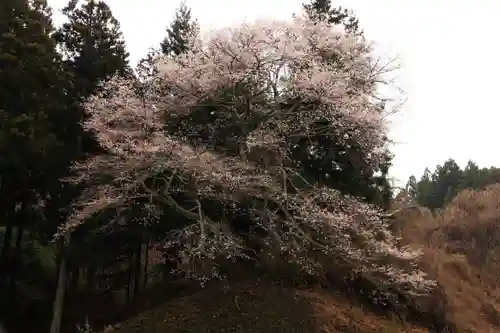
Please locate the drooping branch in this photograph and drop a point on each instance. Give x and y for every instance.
(280, 73)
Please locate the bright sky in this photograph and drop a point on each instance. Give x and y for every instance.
(447, 49)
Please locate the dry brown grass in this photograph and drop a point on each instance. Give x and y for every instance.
(262, 307)
(462, 251)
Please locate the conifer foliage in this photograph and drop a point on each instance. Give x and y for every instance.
(182, 29)
(92, 44)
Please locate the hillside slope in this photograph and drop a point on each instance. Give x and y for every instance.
(261, 307)
(462, 252)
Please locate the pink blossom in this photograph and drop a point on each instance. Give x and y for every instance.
(278, 61)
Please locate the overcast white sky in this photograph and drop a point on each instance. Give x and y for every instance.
(450, 69)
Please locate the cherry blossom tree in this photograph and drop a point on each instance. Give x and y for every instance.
(276, 81)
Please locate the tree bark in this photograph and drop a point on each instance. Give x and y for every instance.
(7, 240)
(6, 209)
(74, 281)
(57, 311)
(146, 262)
(19, 240)
(90, 283)
(137, 269)
(130, 277)
(16, 258)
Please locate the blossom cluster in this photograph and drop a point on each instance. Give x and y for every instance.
(321, 74)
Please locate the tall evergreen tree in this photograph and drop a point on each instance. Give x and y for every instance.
(92, 44)
(411, 187)
(449, 182)
(435, 190)
(471, 175)
(29, 94)
(94, 50)
(182, 27)
(175, 41)
(322, 10)
(337, 162)
(32, 90)
(425, 189)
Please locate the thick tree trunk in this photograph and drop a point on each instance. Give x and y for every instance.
(16, 258)
(8, 260)
(57, 311)
(165, 270)
(130, 277)
(7, 240)
(74, 281)
(146, 262)
(137, 269)
(19, 240)
(90, 283)
(6, 209)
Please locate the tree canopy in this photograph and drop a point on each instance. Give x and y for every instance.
(436, 189)
(244, 197)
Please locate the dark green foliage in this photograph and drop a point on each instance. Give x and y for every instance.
(411, 187)
(342, 166)
(175, 42)
(31, 88)
(32, 94)
(435, 190)
(322, 10)
(40, 134)
(183, 26)
(92, 44)
(93, 50)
